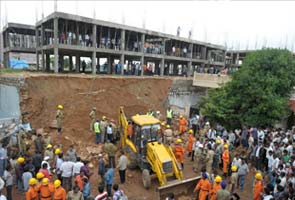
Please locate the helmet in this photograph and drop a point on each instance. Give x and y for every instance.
(204, 175)
(32, 181)
(167, 126)
(56, 183)
(104, 117)
(46, 158)
(218, 179)
(223, 184)
(49, 146)
(39, 175)
(191, 131)
(180, 116)
(20, 160)
(258, 176)
(60, 107)
(45, 181)
(163, 124)
(57, 151)
(93, 108)
(218, 141)
(225, 146)
(234, 168)
(179, 140)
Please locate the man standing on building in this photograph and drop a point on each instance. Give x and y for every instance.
(92, 116)
(169, 115)
(97, 132)
(122, 166)
(59, 117)
(103, 126)
(111, 150)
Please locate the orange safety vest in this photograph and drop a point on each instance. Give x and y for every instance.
(130, 130)
(204, 186)
(190, 143)
(215, 188)
(60, 194)
(32, 194)
(46, 191)
(179, 153)
(258, 190)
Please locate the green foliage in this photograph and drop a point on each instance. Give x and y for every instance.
(258, 93)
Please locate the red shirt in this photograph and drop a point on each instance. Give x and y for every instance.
(102, 196)
(46, 173)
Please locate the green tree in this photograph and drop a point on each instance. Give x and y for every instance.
(258, 93)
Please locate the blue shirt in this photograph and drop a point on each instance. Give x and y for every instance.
(109, 176)
(86, 190)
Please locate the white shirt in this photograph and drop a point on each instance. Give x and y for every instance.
(77, 167)
(109, 130)
(48, 166)
(67, 169)
(261, 134)
(2, 197)
(59, 161)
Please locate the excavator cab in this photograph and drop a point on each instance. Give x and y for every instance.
(144, 150)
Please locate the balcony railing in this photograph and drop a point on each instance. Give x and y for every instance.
(210, 80)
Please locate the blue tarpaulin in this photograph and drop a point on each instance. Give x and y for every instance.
(18, 64)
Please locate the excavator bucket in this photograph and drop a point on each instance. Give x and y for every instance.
(179, 188)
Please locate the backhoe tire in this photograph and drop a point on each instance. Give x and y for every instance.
(146, 179)
(132, 158)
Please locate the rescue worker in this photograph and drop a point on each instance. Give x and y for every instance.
(59, 117)
(45, 190)
(47, 139)
(103, 127)
(258, 187)
(169, 115)
(150, 112)
(111, 150)
(19, 170)
(209, 158)
(168, 135)
(32, 194)
(182, 124)
(130, 130)
(179, 152)
(97, 131)
(197, 158)
(233, 179)
(115, 130)
(92, 116)
(216, 186)
(60, 192)
(203, 187)
(217, 154)
(223, 194)
(39, 177)
(49, 152)
(191, 141)
(225, 160)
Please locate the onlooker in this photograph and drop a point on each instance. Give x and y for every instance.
(122, 166)
(109, 177)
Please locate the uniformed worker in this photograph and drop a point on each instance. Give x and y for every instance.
(215, 188)
(225, 160)
(92, 116)
(168, 135)
(258, 187)
(191, 140)
(45, 190)
(179, 152)
(32, 194)
(59, 118)
(60, 192)
(223, 194)
(203, 187)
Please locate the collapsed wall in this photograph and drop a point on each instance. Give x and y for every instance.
(35, 97)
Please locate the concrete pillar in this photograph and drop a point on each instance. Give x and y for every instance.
(123, 40)
(94, 62)
(142, 63)
(71, 63)
(47, 68)
(77, 63)
(109, 65)
(94, 27)
(237, 60)
(61, 62)
(142, 42)
(42, 60)
(55, 32)
(190, 49)
(190, 68)
(122, 61)
(37, 60)
(162, 63)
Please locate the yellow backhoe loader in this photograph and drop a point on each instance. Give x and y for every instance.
(144, 150)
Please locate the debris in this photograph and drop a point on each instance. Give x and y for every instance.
(53, 124)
